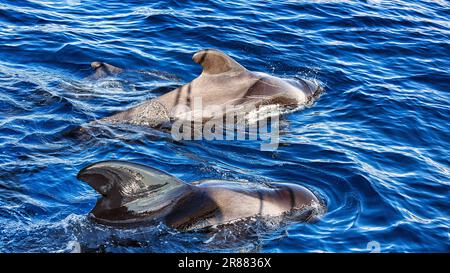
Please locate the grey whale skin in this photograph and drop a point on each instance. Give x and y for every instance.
(223, 82)
(135, 194)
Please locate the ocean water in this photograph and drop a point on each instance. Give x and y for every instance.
(374, 146)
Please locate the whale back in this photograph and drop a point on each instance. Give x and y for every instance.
(220, 202)
(131, 192)
(134, 194)
(223, 83)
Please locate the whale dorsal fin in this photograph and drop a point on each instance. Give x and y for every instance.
(129, 185)
(103, 70)
(215, 62)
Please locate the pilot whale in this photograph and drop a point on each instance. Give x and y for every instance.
(135, 194)
(222, 83)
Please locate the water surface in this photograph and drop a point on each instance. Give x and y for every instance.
(375, 145)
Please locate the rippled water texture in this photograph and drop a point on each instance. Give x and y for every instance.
(375, 145)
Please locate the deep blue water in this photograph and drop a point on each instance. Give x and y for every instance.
(375, 145)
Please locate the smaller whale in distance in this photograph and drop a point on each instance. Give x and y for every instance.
(135, 194)
(103, 70)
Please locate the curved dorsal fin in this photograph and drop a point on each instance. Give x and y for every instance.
(122, 182)
(215, 62)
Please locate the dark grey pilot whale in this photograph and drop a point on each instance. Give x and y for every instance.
(134, 194)
(223, 82)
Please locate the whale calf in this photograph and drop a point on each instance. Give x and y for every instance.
(135, 194)
(223, 82)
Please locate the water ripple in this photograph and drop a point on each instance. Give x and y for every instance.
(374, 147)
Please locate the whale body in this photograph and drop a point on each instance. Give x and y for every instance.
(222, 83)
(135, 194)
